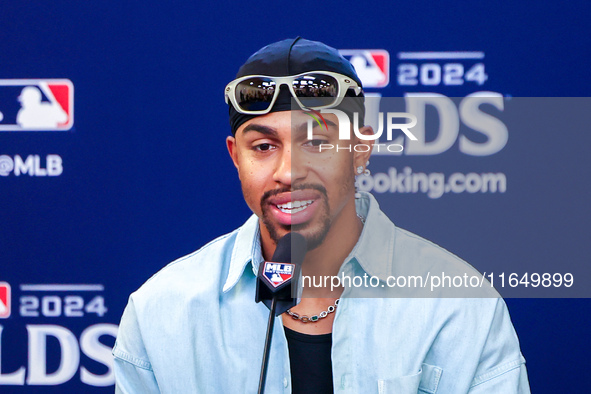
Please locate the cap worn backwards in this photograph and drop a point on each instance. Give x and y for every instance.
(291, 57)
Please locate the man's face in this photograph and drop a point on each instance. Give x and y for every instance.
(287, 181)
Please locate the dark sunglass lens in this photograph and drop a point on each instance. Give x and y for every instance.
(255, 94)
(316, 90)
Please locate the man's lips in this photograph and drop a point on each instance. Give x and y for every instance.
(297, 207)
(295, 196)
(293, 207)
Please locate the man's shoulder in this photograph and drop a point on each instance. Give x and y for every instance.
(202, 269)
(216, 248)
(443, 273)
(412, 247)
(383, 242)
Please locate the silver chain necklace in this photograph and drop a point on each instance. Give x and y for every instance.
(314, 318)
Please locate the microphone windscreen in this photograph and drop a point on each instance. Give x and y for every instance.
(291, 248)
(299, 248)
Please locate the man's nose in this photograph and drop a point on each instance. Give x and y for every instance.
(289, 169)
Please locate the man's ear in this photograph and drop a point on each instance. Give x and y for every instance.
(361, 158)
(232, 149)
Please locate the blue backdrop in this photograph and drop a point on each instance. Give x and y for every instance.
(143, 176)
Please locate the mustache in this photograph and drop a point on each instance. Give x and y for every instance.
(270, 193)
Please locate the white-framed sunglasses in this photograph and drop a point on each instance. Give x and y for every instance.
(256, 94)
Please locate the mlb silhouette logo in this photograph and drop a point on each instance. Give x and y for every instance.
(278, 273)
(4, 300)
(372, 66)
(36, 104)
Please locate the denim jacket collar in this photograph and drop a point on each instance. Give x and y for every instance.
(247, 249)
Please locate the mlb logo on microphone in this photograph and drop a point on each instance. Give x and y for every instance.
(372, 66)
(4, 300)
(36, 104)
(278, 273)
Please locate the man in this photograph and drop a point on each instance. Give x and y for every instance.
(194, 326)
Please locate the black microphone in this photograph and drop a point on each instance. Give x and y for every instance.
(277, 283)
(277, 279)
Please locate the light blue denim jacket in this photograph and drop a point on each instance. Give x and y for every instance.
(194, 326)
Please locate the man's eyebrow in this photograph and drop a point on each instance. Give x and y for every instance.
(330, 123)
(303, 127)
(266, 130)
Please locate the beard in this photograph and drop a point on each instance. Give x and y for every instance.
(322, 222)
